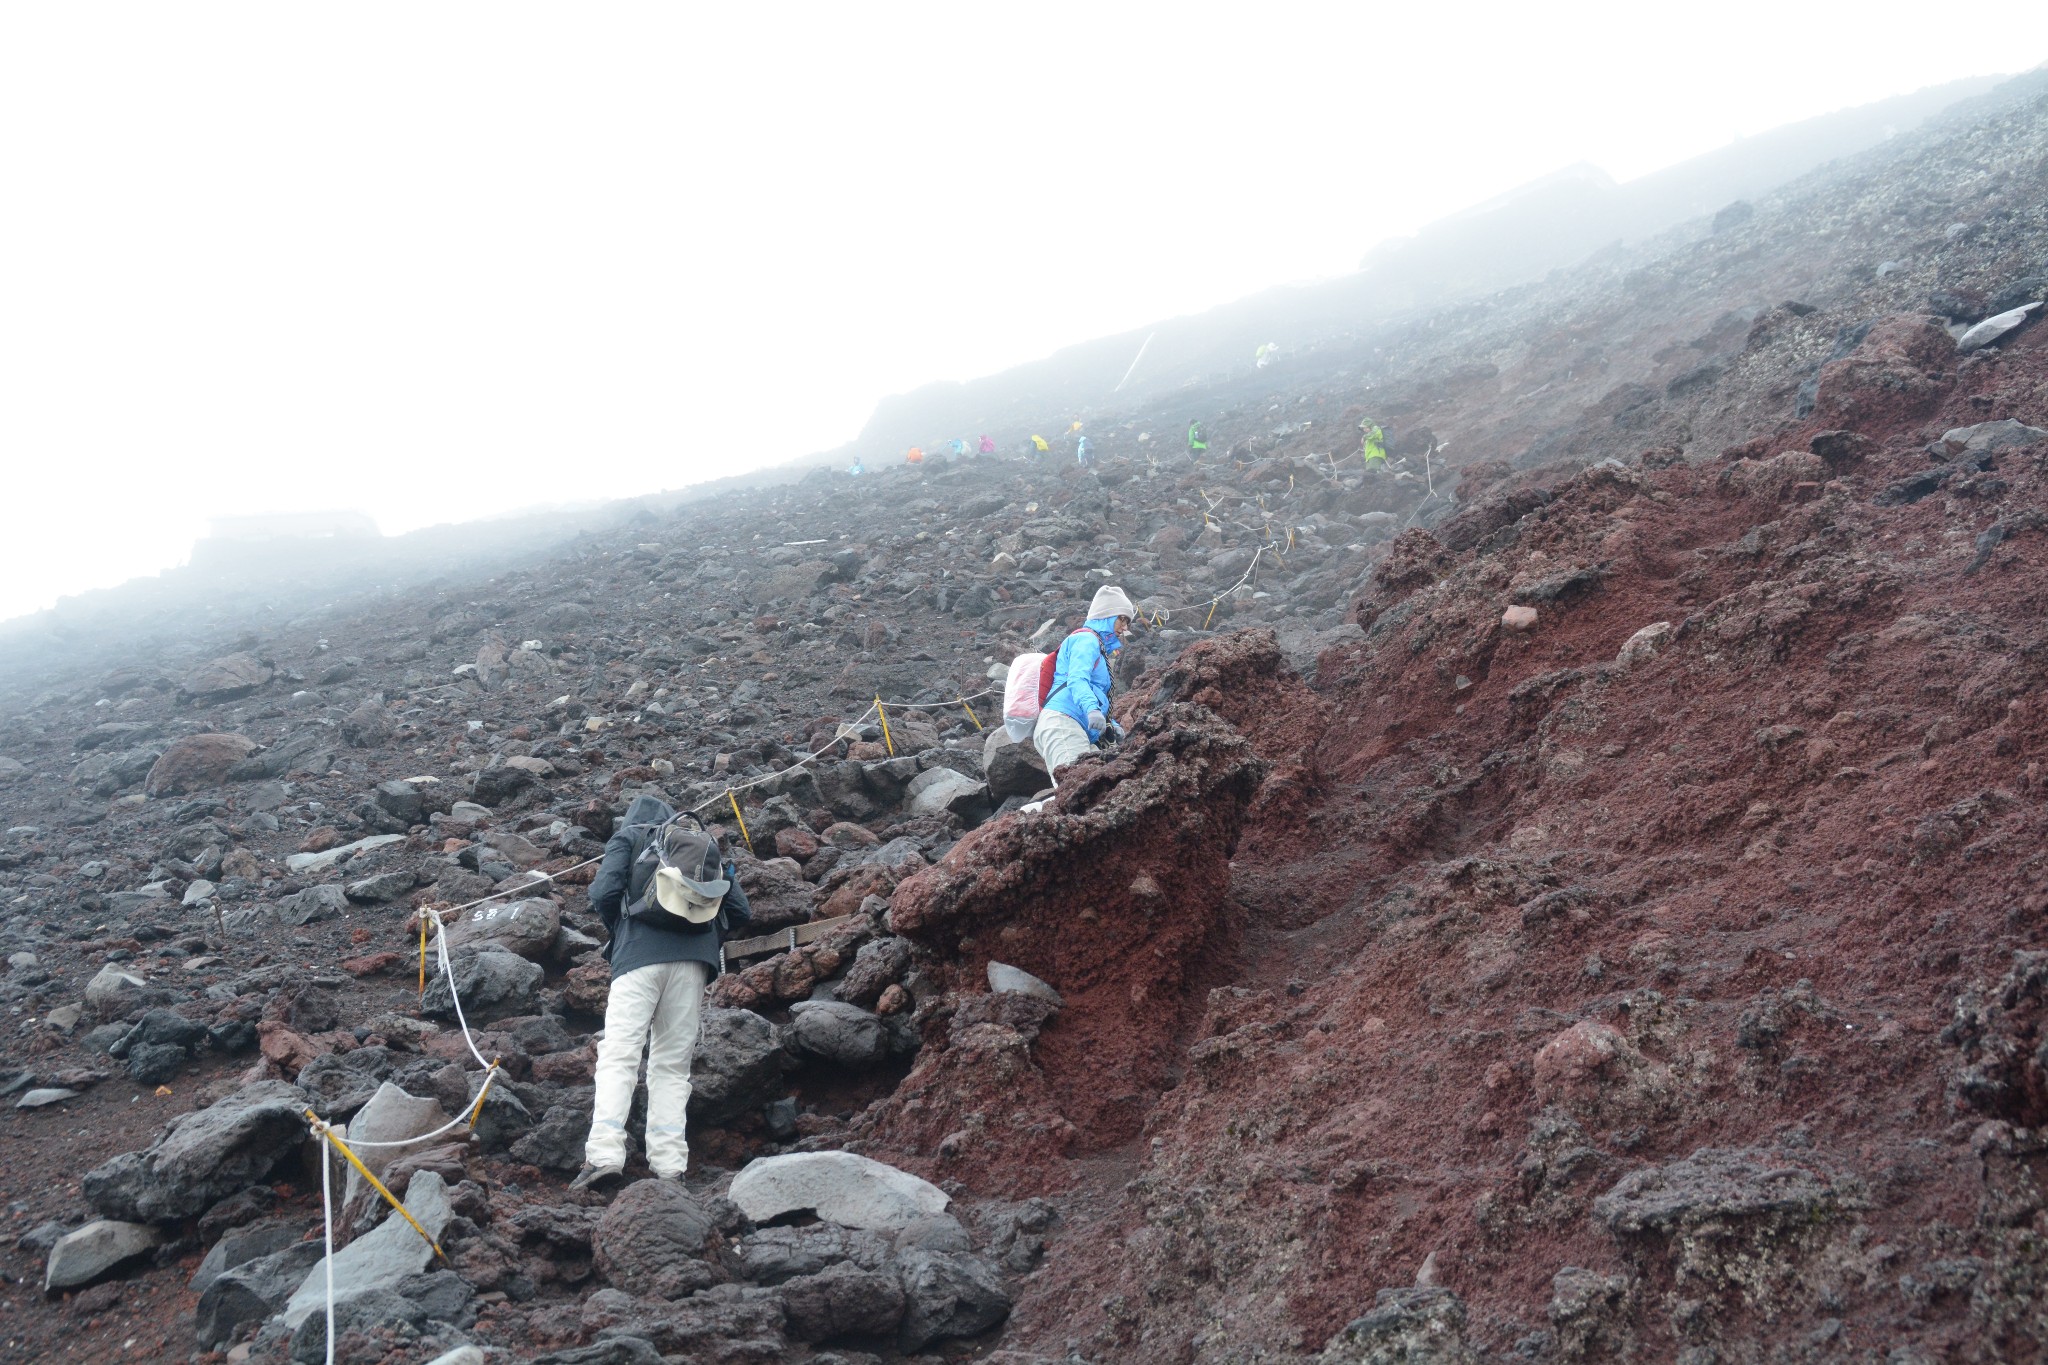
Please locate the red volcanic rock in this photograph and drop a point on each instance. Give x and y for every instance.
(197, 762)
(1112, 897)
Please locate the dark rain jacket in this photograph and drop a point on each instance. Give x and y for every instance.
(635, 942)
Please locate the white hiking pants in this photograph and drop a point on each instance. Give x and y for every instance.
(665, 999)
(1060, 740)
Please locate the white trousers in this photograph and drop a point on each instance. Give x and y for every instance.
(666, 1000)
(1060, 740)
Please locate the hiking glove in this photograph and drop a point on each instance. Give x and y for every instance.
(1094, 722)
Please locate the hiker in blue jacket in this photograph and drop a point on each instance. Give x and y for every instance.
(1077, 709)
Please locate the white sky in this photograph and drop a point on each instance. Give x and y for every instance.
(438, 261)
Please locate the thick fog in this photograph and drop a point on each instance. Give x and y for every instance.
(441, 263)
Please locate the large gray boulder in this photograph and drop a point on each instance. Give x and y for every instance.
(83, 1256)
(341, 1083)
(314, 904)
(440, 1297)
(113, 992)
(384, 1127)
(840, 1187)
(202, 1157)
(386, 1257)
(402, 800)
(843, 1301)
(1016, 770)
(525, 928)
(556, 1142)
(304, 864)
(491, 982)
(237, 1247)
(251, 1292)
(772, 1255)
(831, 1031)
(1988, 438)
(947, 1294)
(941, 790)
(1995, 328)
(222, 679)
(737, 1068)
(103, 774)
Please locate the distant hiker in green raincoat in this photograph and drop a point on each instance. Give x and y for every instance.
(1196, 440)
(1375, 451)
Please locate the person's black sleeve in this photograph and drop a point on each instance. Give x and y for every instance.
(608, 887)
(738, 913)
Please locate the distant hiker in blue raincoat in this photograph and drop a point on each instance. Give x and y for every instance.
(1081, 451)
(1077, 709)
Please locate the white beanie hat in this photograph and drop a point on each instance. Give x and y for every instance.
(1109, 601)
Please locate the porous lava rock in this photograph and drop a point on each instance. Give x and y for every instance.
(1111, 897)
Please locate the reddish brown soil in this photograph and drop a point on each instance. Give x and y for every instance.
(1762, 865)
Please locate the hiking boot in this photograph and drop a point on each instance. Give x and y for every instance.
(594, 1177)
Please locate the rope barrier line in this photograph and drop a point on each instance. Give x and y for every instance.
(1217, 600)
(941, 705)
(327, 1224)
(455, 999)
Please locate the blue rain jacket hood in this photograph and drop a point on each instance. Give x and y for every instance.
(636, 942)
(1081, 680)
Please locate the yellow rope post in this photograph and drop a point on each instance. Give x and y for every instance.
(733, 797)
(1212, 613)
(883, 712)
(476, 1110)
(327, 1132)
(423, 955)
(970, 713)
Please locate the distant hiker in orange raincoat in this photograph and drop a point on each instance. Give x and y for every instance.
(916, 456)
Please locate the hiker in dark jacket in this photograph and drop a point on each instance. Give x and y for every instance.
(659, 974)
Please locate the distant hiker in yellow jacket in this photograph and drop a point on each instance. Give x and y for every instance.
(1375, 451)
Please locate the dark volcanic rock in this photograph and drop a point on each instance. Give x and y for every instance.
(651, 1240)
(202, 1157)
(737, 1068)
